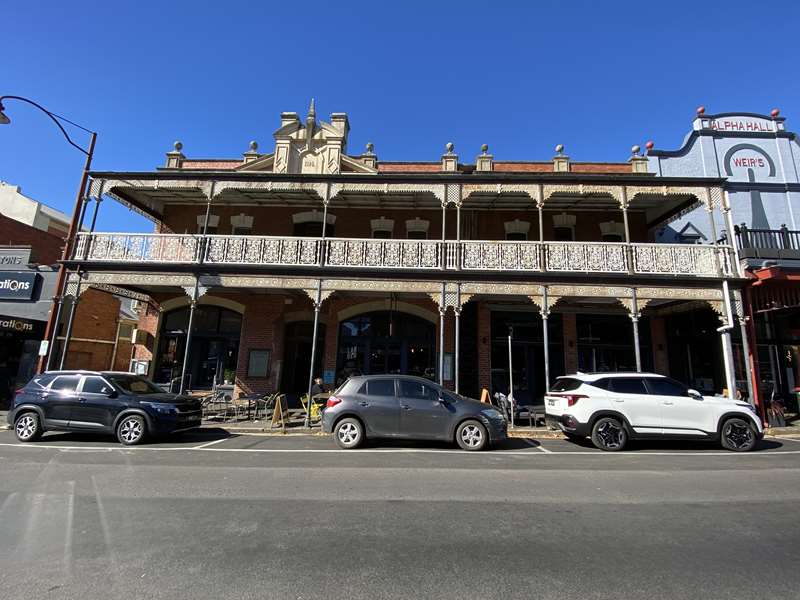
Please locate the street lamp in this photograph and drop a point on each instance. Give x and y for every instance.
(58, 299)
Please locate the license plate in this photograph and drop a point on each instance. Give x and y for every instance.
(551, 402)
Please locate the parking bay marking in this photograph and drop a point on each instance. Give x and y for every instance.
(410, 451)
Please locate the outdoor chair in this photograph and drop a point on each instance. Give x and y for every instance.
(316, 406)
(263, 405)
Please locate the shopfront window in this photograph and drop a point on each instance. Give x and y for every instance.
(605, 343)
(386, 342)
(214, 346)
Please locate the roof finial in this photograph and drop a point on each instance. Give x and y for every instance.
(312, 114)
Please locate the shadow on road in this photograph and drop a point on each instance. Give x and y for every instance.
(95, 440)
(673, 445)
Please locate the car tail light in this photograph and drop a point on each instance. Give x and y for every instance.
(572, 399)
(332, 401)
(19, 392)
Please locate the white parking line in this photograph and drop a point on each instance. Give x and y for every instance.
(544, 451)
(207, 444)
(538, 446)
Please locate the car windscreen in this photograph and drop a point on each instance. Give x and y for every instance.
(135, 384)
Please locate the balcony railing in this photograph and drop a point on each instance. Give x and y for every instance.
(780, 243)
(469, 255)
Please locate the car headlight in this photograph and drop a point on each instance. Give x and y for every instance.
(492, 413)
(160, 407)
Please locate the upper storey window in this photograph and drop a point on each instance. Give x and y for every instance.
(213, 224)
(517, 230)
(417, 229)
(309, 224)
(612, 231)
(242, 224)
(564, 227)
(382, 228)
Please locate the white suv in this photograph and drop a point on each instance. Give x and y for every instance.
(615, 407)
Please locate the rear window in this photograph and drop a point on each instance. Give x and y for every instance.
(565, 384)
(41, 381)
(628, 385)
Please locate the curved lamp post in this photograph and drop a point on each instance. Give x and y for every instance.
(58, 299)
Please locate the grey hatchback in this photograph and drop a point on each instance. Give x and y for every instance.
(402, 406)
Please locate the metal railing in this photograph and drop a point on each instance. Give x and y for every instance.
(699, 260)
(767, 239)
(261, 250)
(384, 254)
(137, 247)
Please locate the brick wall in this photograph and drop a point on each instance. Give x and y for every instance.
(45, 247)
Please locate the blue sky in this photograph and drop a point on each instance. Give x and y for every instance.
(519, 76)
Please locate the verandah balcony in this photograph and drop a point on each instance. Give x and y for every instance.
(688, 260)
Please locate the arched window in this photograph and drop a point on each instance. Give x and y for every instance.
(309, 224)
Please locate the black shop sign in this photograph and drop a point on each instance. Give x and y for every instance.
(17, 285)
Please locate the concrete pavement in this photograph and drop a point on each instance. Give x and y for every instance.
(208, 515)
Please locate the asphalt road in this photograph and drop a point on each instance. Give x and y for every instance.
(205, 516)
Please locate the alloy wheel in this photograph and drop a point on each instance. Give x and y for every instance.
(26, 427)
(738, 434)
(348, 433)
(131, 430)
(472, 436)
(610, 434)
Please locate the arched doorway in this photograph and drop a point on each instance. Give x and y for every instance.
(214, 348)
(386, 342)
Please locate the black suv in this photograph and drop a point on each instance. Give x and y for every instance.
(124, 404)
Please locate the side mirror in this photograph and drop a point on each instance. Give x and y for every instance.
(695, 394)
(113, 394)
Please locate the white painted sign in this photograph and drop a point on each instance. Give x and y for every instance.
(740, 124)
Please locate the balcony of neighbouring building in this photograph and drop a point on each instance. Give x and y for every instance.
(760, 245)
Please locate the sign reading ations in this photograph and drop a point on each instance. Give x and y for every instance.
(16, 285)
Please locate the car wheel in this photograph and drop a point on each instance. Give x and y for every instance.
(131, 430)
(471, 435)
(349, 433)
(27, 427)
(738, 435)
(609, 434)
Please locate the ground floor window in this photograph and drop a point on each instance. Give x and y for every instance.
(214, 347)
(527, 353)
(605, 343)
(386, 342)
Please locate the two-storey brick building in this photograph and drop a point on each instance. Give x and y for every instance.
(413, 267)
